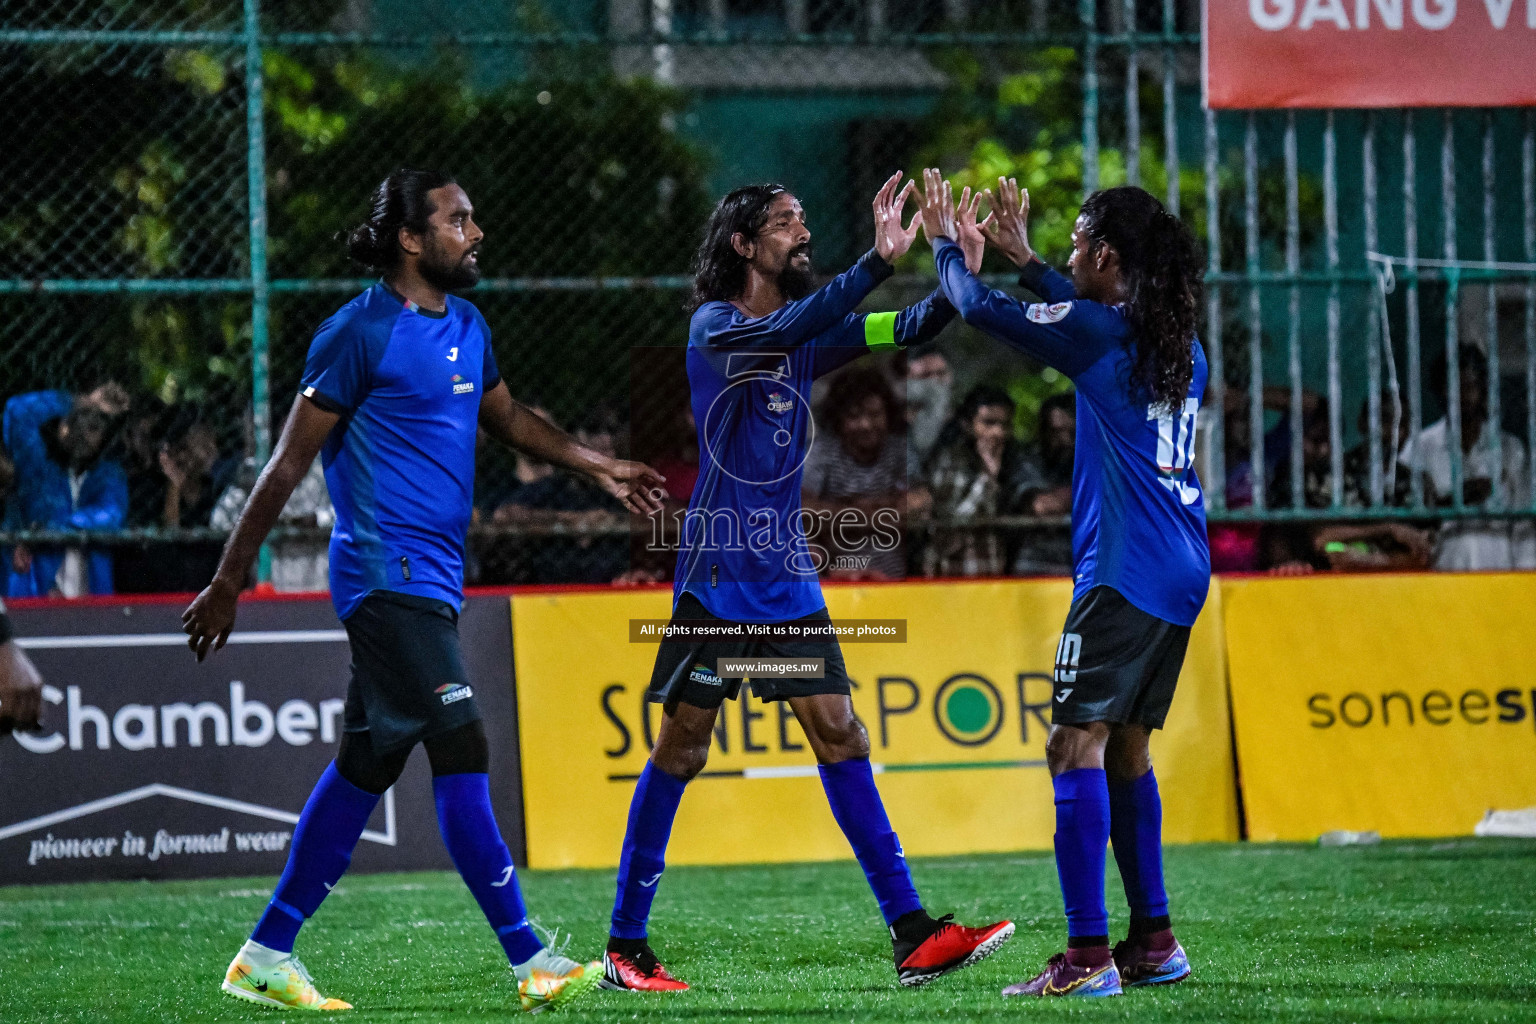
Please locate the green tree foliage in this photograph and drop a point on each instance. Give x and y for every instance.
(1019, 114)
(574, 173)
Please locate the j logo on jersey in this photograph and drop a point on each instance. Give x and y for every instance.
(778, 403)
(462, 386)
(1040, 313)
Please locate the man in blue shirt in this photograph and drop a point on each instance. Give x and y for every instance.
(394, 388)
(758, 339)
(64, 482)
(1123, 329)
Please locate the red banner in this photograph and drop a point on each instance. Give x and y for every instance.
(1370, 53)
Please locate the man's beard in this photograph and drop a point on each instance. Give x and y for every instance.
(449, 277)
(797, 282)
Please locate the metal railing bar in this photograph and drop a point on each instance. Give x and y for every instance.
(1376, 324)
(1257, 456)
(1335, 370)
(1452, 303)
(1528, 194)
(1491, 317)
(1293, 310)
(1132, 102)
(707, 38)
(1216, 384)
(1411, 301)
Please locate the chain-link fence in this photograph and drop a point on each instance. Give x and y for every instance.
(593, 136)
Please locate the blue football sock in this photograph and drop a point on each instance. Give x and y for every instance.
(644, 855)
(333, 819)
(1082, 833)
(474, 843)
(1136, 830)
(856, 805)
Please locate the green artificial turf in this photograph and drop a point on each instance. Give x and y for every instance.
(1422, 931)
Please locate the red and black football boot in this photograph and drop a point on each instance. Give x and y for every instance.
(948, 947)
(638, 971)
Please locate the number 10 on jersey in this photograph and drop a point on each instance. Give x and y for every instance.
(1176, 448)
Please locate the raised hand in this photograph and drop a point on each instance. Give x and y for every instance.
(970, 235)
(891, 239)
(938, 206)
(1008, 226)
(110, 399)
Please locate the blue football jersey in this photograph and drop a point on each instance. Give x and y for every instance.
(747, 550)
(1138, 516)
(400, 464)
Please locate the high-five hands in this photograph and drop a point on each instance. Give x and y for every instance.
(971, 236)
(938, 210)
(1008, 225)
(891, 239)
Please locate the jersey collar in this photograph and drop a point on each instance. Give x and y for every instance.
(411, 306)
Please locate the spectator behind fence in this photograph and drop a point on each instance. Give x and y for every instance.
(299, 565)
(7, 481)
(1395, 479)
(1238, 547)
(979, 472)
(678, 457)
(856, 471)
(562, 499)
(64, 482)
(1472, 544)
(1047, 489)
(1290, 549)
(928, 383)
(497, 487)
(141, 440)
(176, 491)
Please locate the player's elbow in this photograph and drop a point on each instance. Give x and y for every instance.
(971, 304)
(287, 468)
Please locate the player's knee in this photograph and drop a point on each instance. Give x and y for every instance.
(370, 772)
(460, 750)
(842, 741)
(681, 760)
(1127, 756)
(1072, 747)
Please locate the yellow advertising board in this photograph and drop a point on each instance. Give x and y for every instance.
(1403, 704)
(957, 718)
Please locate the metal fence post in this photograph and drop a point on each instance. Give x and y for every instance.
(1088, 12)
(256, 186)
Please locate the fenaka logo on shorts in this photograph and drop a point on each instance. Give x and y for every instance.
(452, 693)
(462, 386)
(778, 403)
(1040, 313)
(702, 674)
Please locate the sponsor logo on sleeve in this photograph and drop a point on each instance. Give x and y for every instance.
(452, 693)
(1041, 313)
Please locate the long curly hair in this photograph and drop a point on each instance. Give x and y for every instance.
(1163, 274)
(719, 271)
